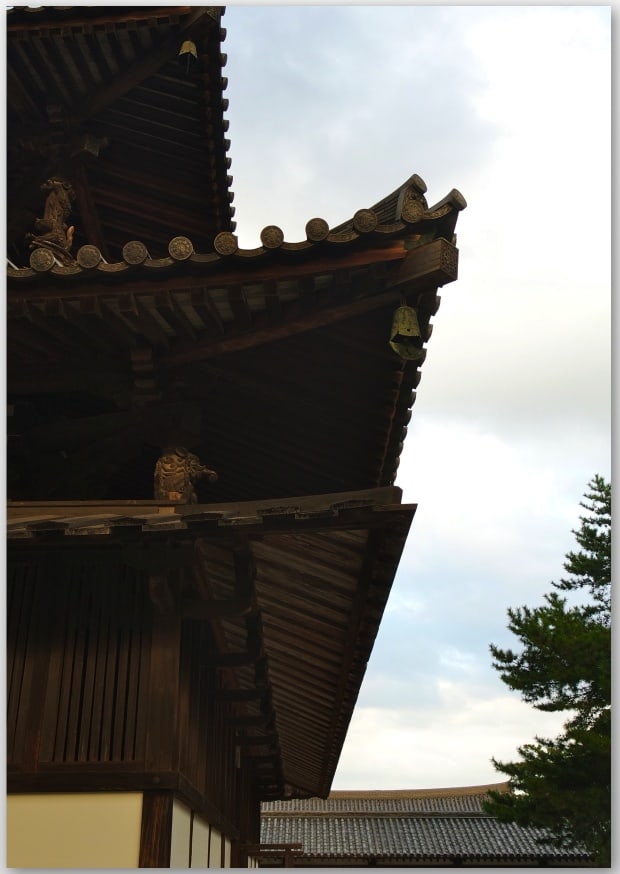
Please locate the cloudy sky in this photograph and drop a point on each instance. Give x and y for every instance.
(331, 108)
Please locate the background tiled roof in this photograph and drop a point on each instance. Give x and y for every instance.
(403, 826)
(467, 800)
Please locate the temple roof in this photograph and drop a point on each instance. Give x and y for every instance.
(403, 827)
(316, 573)
(262, 345)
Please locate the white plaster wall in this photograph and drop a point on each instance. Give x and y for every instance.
(73, 830)
(215, 849)
(200, 843)
(181, 835)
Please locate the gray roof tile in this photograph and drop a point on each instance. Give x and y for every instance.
(403, 825)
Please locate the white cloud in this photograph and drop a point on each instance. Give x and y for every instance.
(481, 498)
(450, 745)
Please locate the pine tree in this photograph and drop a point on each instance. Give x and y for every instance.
(564, 785)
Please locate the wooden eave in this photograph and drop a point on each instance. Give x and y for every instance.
(307, 576)
(292, 340)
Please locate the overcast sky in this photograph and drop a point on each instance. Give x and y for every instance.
(333, 107)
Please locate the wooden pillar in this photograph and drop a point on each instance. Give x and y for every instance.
(162, 735)
(156, 829)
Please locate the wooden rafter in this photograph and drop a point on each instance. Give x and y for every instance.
(142, 68)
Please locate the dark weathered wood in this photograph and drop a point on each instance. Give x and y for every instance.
(239, 307)
(30, 670)
(240, 694)
(245, 570)
(140, 206)
(88, 210)
(437, 262)
(121, 726)
(174, 316)
(295, 321)
(206, 309)
(163, 692)
(141, 664)
(93, 685)
(142, 321)
(156, 829)
(235, 659)
(255, 720)
(266, 740)
(199, 611)
(79, 631)
(139, 70)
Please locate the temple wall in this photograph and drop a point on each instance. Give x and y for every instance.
(109, 695)
(195, 843)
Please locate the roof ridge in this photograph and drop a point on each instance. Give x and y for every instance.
(419, 793)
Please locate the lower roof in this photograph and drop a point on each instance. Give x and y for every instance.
(404, 827)
(310, 577)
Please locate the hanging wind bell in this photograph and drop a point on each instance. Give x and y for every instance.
(188, 51)
(405, 337)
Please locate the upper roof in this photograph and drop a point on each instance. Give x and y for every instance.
(404, 827)
(273, 364)
(101, 96)
(282, 353)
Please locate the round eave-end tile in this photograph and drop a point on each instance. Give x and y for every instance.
(272, 237)
(225, 243)
(88, 257)
(135, 253)
(317, 230)
(365, 221)
(41, 260)
(180, 248)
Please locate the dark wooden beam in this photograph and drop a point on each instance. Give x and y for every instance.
(240, 695)
(253, 720)
(436, 262)
(263, 332)
(88, 211)
(423, 268)
(174, 316)
(235, 659)
(197, 610)
(256, 741)
(142, 321)
(206, 309)
(245, 570)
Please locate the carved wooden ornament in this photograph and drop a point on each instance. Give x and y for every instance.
(52, 231)
(175, 474)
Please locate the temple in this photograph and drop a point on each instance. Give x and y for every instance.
(203, 441)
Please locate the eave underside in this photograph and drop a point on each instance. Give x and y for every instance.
(305, 580)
